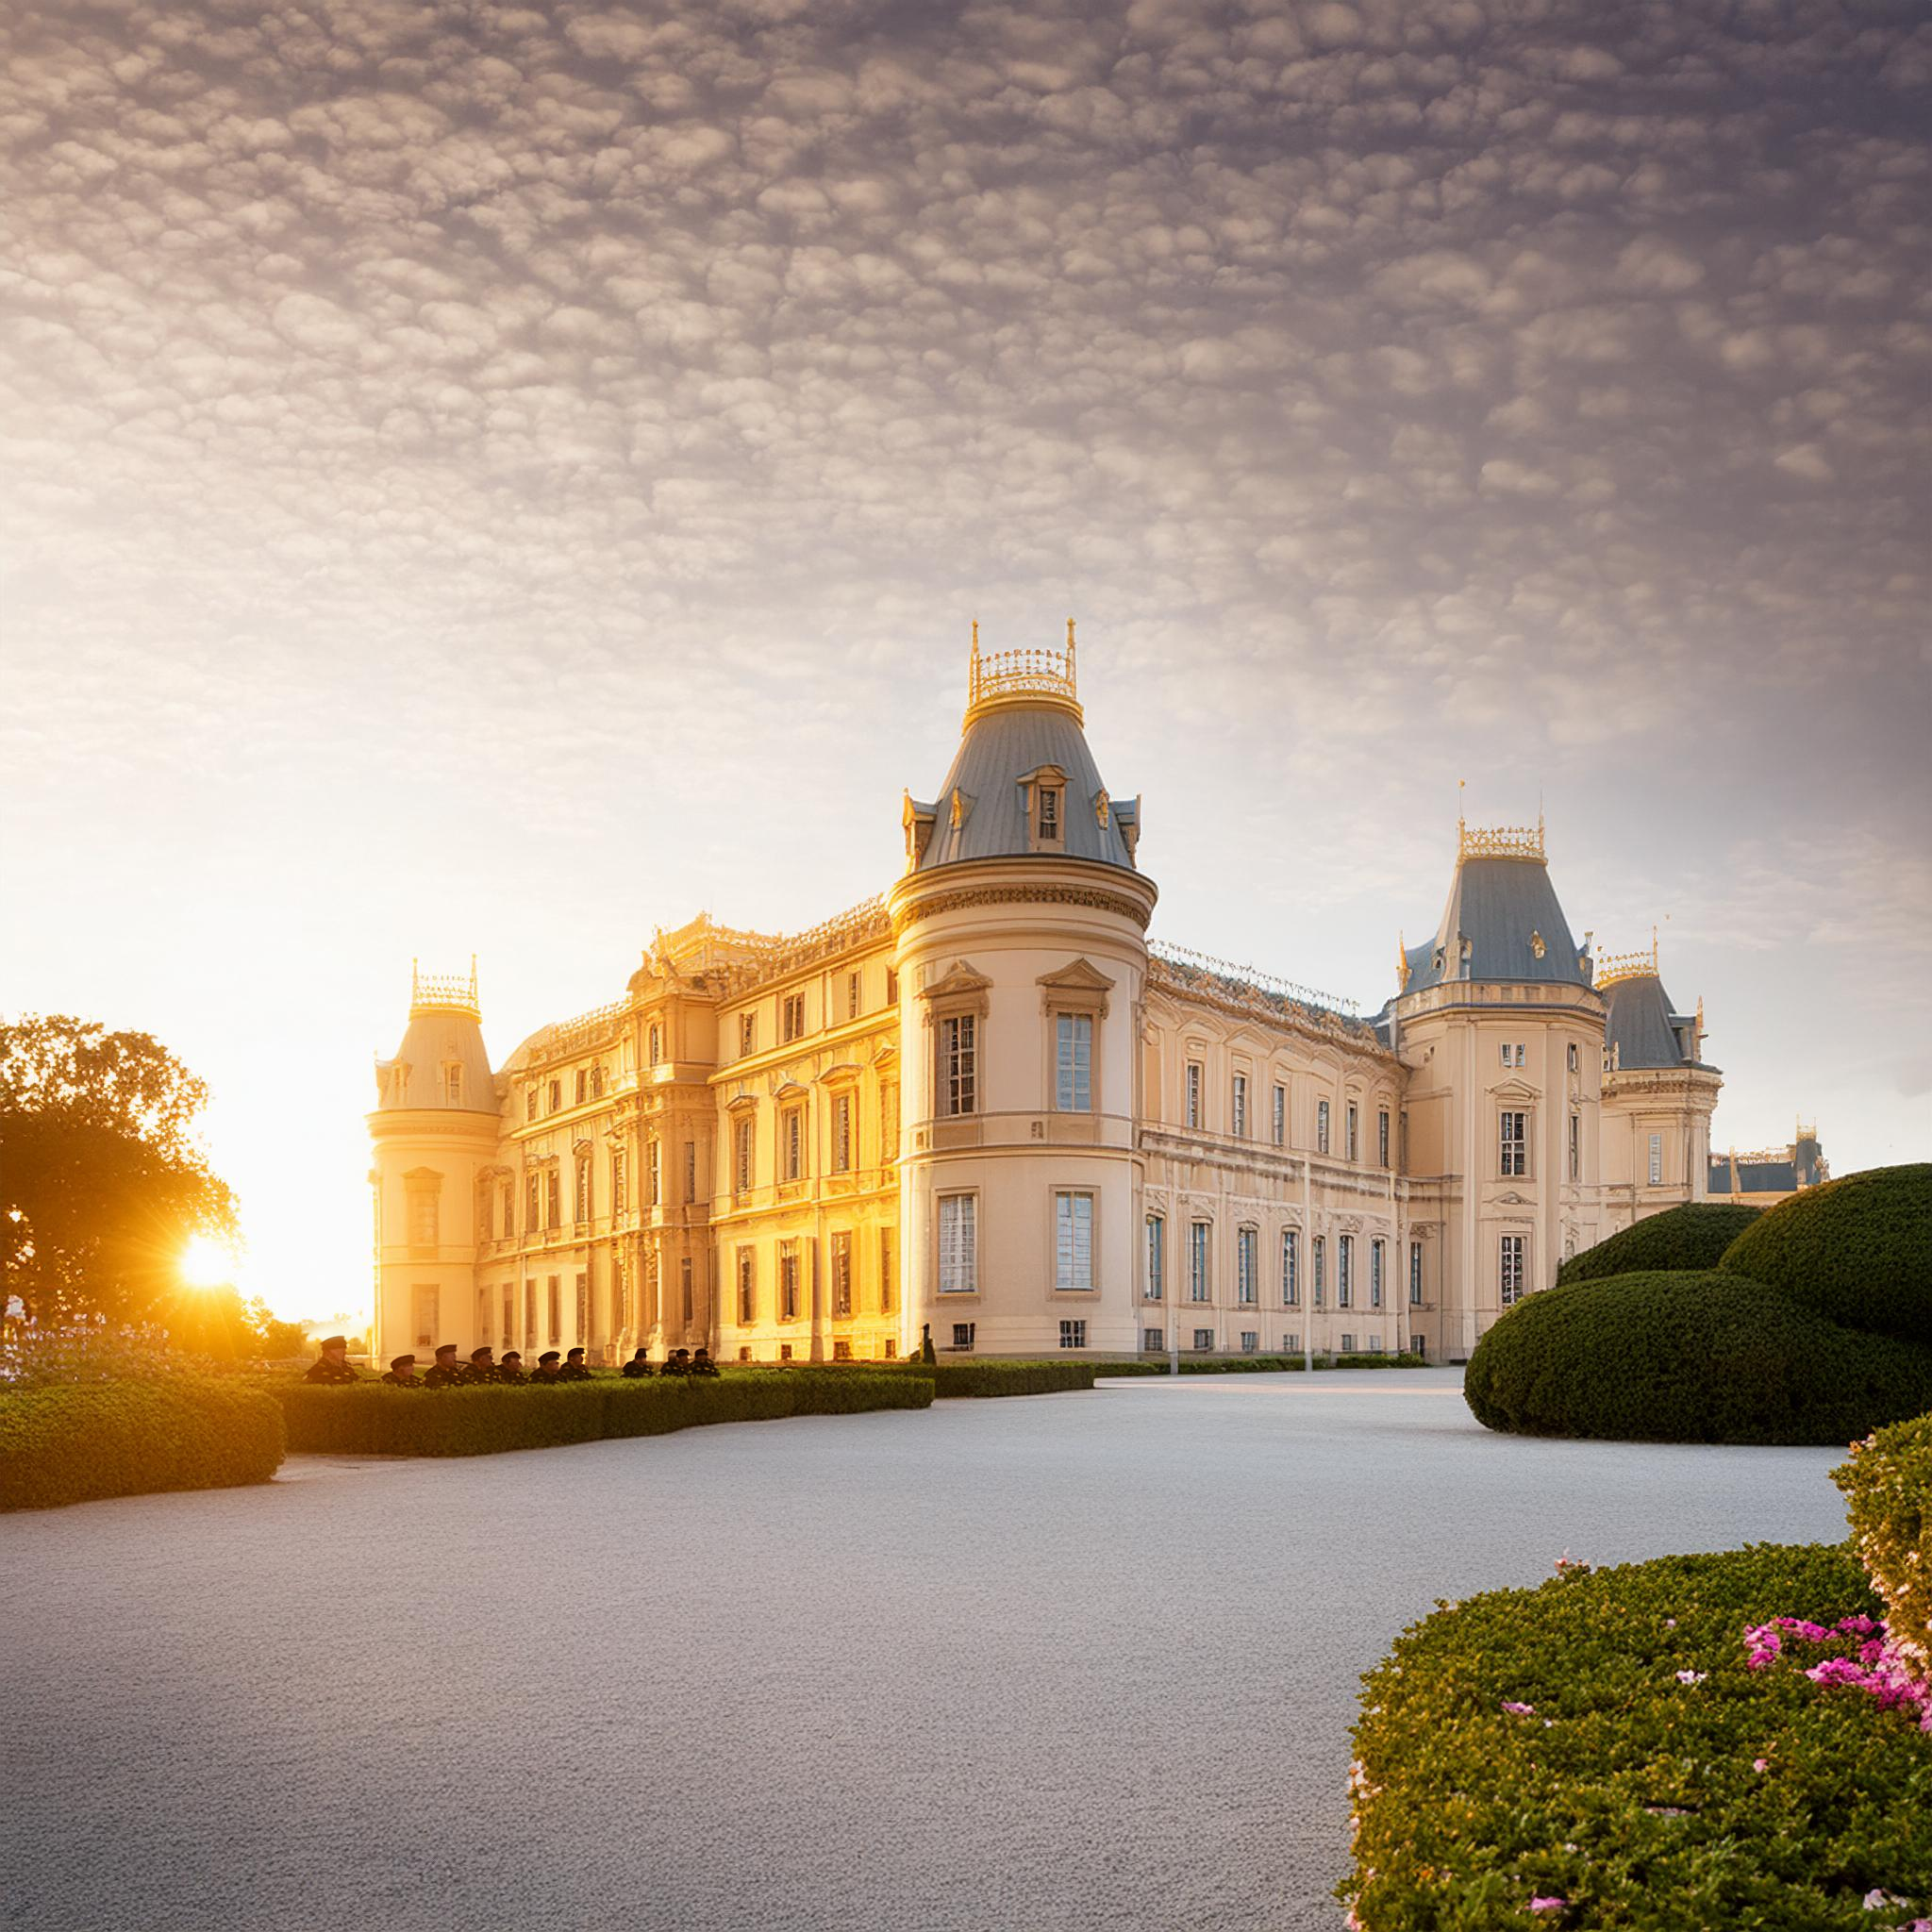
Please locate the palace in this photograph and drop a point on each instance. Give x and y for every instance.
(987, 1103)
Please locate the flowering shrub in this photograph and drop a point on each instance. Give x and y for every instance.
(1877, 1665)
(1681, 1358)
(1889, 1485)
(1600, 1752)
(1694, 1235)
(1856, 1251)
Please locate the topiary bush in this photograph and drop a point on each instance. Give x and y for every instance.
(1888, 1484)
(1857, 1251)
(1599, 1752)
(372, 1420)
(75, 1442)
(1693, 1235)
(1688, 1357)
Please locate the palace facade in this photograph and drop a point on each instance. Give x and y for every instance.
(987, 1104)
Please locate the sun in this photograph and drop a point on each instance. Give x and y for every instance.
(205, 1263)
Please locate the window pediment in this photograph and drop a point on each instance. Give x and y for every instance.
(961, 989)
(423, 1174)
(1515, 1090)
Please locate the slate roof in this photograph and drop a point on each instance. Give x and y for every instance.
(1501, 907)
(432, 1039)
(998, 751)
(1754, 1176)
(1642, 1025)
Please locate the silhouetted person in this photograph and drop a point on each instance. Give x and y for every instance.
(640, 1364)
(573, 1369)
(445, 1371)
(701, 1364)
(334, 1365)
(677, 1362)
(401, 1373)
(546, 1370)
(482, 1369)
(510, 1368)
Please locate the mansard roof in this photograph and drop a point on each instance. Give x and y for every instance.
(1642, 1028)
(1503, 920)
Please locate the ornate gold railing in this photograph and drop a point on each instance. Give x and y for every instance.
(1611, 967)
(1004, 676)
(443, 992)
(1500, 842)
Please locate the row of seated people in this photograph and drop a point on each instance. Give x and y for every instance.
(481, 1369)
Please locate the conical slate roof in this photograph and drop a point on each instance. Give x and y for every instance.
(445, 1031)
(1642, 1028)
(1503, 922)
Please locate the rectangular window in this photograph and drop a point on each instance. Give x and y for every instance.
(553, 1198)
(842, 1350)
(1515, 1141)
(1194, 1093)
(1320, 1127)
(963, 1333)
(1247, 1266)
(653, 1173)
(1344, 1272)
(583, 1187)
(1203, 1341)
(424, 1300)
(529, 1315)
(509, 1315)
(487, 1211)
(1157, 1258)
(1073, 1220)
(891, 985)
(747, 1032)
(1197, 1261)
(1415, 1275)
(791, 1012)
(533, 1201)
(555, 1097)
(959, 1244)
(791, 1143)
(1074, 1334)
(1291, 1342)
(1405, 1140)
(1374, 1275)
(1152, 1341)
(1510, 1270)
(1319, 1260)
(654, 1044)
(747, 1286)
(452, 1084)
(959, 1068)
(1382, 1137)
(741, 1157)
(509, 1209)
(1050, 818)
(1291, 1268)
(1240, 1111)
(552, 1297)
(530, 1104)
(1656, 1160)
(690, 1171)
(1073, 1062)
(841, 1133)
(422, 1214)
(889, 1269)
(583, 1308)
(1575, 1147)
(619, 1183)
(583, 1085)
(598, 1081)
(1354, 1142)
(788, 1281)
(683, 1275)
(1572, 1056)
(1513, 1053)
(1280, 1122)
(1348, 1344)
(1251, 1341)
(842, 1274)
(851, 996)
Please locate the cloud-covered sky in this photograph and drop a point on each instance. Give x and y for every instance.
(495, 478)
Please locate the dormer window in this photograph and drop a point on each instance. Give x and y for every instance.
(1044, 794)
(452, 1083)
(1049, 812)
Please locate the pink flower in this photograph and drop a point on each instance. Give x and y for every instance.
(1760, 1764)
(1519, 1709)
(1548, 1905)
(1691, 1676)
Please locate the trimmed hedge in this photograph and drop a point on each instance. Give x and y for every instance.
(1857, 1251)
(1000, 1375)
(1889, 1485)
(74, 1443)
(1628, 1797)
(1682, 1357)
(1693, 1235)
(376, 1420)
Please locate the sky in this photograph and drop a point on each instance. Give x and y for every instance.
(495, 479)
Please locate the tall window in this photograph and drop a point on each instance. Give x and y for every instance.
(1194, 1093)
(530, 1104)
(1049, 811)
(1073, 1062)
(1280, 1122)
(747, 1032)
(533, 1201)
(1291, 1268)
(1344, 1272)
(690, 1171)
(583, 1187)
(653, 1171)
(1511, 1271)
(1374, 1275)
(1656, 1160)
(552, 1297)
(619, 1183)
(424, 1300)
(1197, 1261)
(740, 1155)
(486, 1209)
(1247, 1266)
(452, 1084)
(1073, 1221)
(791, 1143)
(1320, 1127)
(842, 1273)
(747, 1286)
(959, 1244)
(1241, 1107)
(958, 1069)
(683, 1275)
(1354, 1142)
(1382, 1137)
(582, 1090)
(791, 1017)
(851, 996)
(1157, 1258)
(1415, 1275)
(1573, 1057)
(788, 1281)
(1575, 1147)
(509, 1209)
(889, 1269)
(654, 1044)
(422, 1214)
(598, 1081)
(1318, 1258)
(841, 1133)
(583, 1306)
(529, 1314)
(1515, 1141)
(552, 1197)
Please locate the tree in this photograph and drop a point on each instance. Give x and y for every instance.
(100, 1182)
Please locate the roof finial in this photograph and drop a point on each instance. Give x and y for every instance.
(1070, 650)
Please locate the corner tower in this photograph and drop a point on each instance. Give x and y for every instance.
(1502, 1031)
(1019, 946)
(435, 1136)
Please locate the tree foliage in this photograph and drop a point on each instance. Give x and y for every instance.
(101, 1181)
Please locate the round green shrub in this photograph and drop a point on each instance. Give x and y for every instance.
(1859, 1250)
(1689, 1358)
(1693, 1235)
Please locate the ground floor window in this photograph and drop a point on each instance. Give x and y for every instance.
(842, 1350)
(1197, 1261)
(1074, 1334)
(1251, 1341)
(1344, 1272)
(1157, 1258)
(1152, 1341)
(1291, 1268)
(1247, 1269)
(1374, 1275)
(1318, 1250)
(1073, 1216)
(959, 1244)
(1204, 1340)
(842, 1273)
(1510, 1269)
(1415, 1275)
(1348, 1344)
(962, 1334)
(1290, 1342)
(788, 1281)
